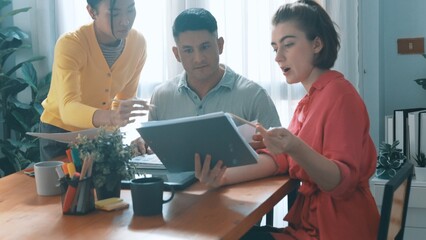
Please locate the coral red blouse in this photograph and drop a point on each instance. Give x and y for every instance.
(333, 120)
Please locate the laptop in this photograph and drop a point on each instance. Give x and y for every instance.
(150, 166)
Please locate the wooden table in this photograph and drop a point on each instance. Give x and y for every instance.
(196, 213)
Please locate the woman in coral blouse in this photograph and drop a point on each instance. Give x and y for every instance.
(327, 145)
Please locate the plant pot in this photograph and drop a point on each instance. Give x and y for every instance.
(420, 173)
(104, 192)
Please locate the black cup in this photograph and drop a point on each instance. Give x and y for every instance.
(147, 196)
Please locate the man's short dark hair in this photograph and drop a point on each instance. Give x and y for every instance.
(194, 19)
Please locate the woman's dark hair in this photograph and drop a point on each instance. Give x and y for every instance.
(95, 3)
(194, 19)
(312, 19)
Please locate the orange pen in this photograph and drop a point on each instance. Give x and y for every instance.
(70, 194)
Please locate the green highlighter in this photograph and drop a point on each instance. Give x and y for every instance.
(75, 154)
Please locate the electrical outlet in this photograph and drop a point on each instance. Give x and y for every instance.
(411, 45)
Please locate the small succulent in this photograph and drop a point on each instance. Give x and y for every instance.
(420, 160)
(390, 159)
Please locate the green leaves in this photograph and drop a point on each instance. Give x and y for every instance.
(420, 159)
(19, 115)
(111, 158)
(11, 13)
(389, 160)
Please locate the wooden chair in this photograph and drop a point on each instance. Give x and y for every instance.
(395, 204)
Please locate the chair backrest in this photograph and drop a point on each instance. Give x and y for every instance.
(395, 204)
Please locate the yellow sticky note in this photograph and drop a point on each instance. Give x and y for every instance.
(115, 206)
(106, 202)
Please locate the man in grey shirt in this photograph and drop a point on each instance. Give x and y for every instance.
(207, 86)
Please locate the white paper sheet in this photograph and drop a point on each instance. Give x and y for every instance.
(247, 131)
(66, 137)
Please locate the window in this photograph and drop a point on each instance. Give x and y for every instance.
(245, 26)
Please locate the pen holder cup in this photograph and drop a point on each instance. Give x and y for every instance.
(77, 196)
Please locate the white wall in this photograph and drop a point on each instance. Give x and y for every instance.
(369, 83)
(402, 19)
(387, 78)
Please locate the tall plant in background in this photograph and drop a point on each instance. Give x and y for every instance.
(18, 116)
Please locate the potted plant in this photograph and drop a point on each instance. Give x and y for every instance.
(420, 169)
(111, 160)
(389, 160)
(18, 115)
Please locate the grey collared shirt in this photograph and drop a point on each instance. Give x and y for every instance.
(234, 93)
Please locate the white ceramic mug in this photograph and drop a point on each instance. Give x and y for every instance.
(46, 177)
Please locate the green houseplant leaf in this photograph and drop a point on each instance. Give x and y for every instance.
(11, 13)
(420, 159)
(18, 116)
(111, 158)
(389, 160)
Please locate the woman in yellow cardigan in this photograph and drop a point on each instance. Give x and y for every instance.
(95, 74)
